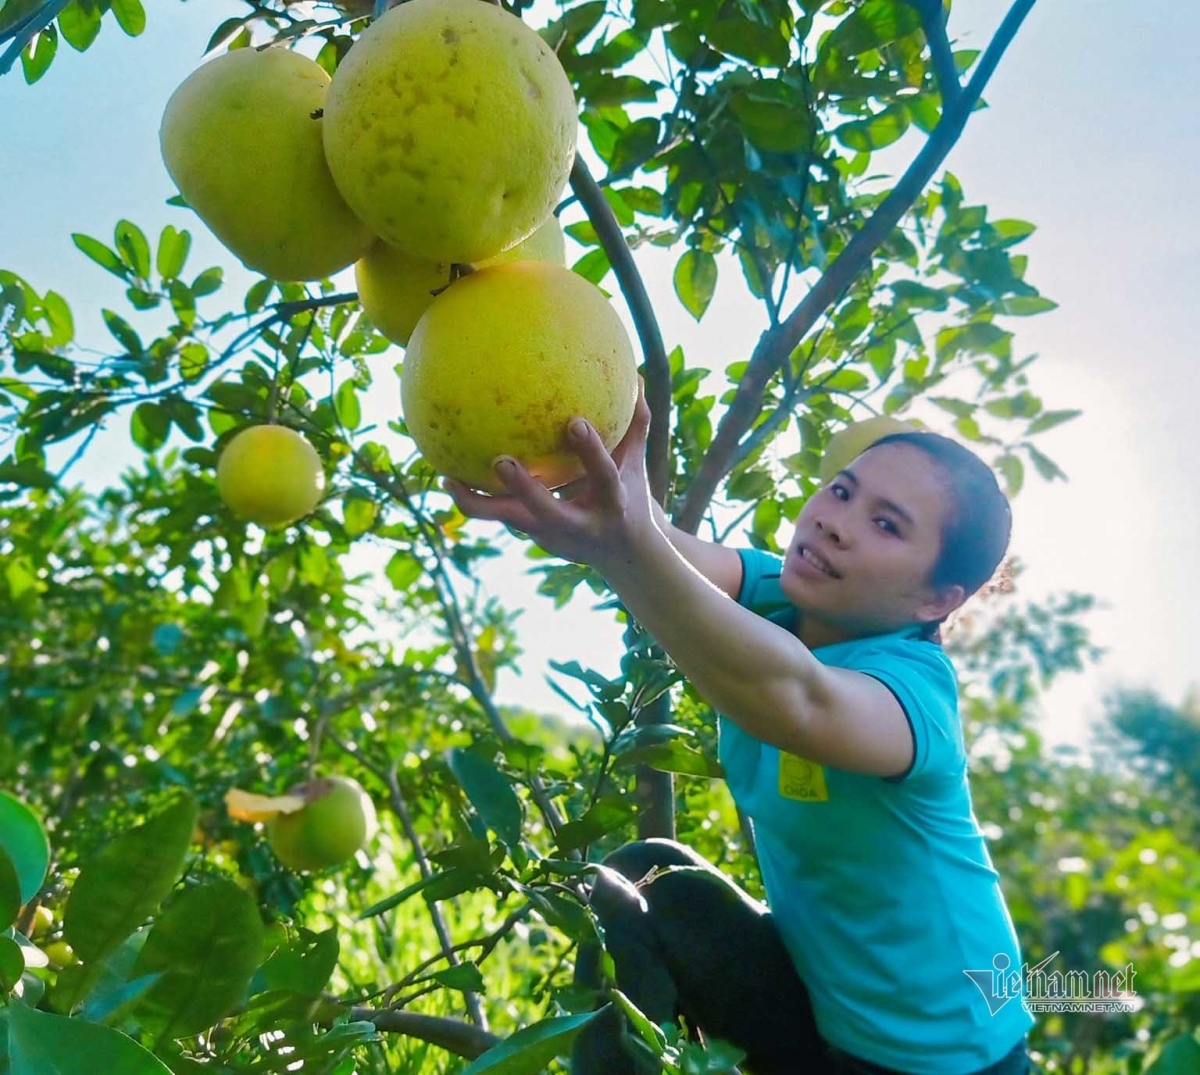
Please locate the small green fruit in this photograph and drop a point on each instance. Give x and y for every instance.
(60, 954)
(338, 819)
(43, 922)
(270, 475)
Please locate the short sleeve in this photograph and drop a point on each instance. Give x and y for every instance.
(923, 680)
(760, 590)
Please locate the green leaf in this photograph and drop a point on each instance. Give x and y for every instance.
(101, 255)
(304, 965)
(10, 891)
(173, 247)
(532, 1048)
(960, 408)
(593, 266)
(345, 405)
(13, 13)
(12, 963)
(490, 793)
(1012, 232)
(764, 41)
(1049, 420)
(122, 332)
(877, 132)
(359, 512)
(79, 24)
(672, 757)
(43, 1044)
(24, 841)
(875, 24)
(208, 281)
(695, 281)
(114, 998)
(39, 54)
(466, 977)
(649, 1032)
(131, 16)
(1025, 305)
(1046, 466)
(607, 814)
(124, 882)
(1180, 1056)
(398, 898)
(564, 913)
(257, 295)
(207, 945)
(403, 570)
(193, 361)
(910, 293)
(132, 245)
(635, 145)
(149, 426)
(773, 116)
(1014, 474)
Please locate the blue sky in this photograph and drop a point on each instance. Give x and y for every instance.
(1091, 134)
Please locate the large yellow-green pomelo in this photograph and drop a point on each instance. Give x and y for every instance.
(450, 129)
(851, 441)
(396, 288)
(336, 821)
(241, 138)
(270, 475)
(501, 362)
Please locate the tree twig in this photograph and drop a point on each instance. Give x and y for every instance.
(933, 19)
(775, 345)
(658, 370)
(29, 30)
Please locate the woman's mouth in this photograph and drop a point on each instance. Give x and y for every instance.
(814, 562)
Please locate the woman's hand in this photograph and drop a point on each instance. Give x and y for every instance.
(598, 518)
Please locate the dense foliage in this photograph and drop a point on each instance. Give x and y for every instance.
(155, 651)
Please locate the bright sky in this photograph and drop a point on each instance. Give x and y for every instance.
(1090, 135)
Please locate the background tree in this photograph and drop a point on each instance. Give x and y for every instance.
(154, 651)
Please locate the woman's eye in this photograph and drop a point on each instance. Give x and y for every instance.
(835, 487)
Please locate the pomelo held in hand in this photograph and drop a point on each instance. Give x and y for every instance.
(501, 362)
(849, 443)
(450, 129)
(395, 288)
(270, 475)
(337, 819)
(241, 138)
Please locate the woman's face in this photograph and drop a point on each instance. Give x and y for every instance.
(878, 526)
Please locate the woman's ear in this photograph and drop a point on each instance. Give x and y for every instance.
(941, 604)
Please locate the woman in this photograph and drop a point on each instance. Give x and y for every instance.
(840, 738)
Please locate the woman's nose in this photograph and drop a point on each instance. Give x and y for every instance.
(833, 532)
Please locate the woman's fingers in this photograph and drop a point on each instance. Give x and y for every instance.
(538, 501)
(600, 466)
(501, 509)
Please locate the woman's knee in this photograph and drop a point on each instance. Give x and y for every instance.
(615, 893)
(637, 858)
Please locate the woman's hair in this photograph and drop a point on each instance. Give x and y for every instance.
(975, 536)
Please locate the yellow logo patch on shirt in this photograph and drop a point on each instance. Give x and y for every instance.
(801, 779)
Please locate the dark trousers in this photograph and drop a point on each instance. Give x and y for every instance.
(695, 944)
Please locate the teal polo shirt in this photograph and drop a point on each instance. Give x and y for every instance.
(882, 887)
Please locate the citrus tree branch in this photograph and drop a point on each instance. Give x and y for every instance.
(394, 485)
(658, 371)
(775, 345)
(453, 1035)
(933, 19)
(400, 809)
(28, 30)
